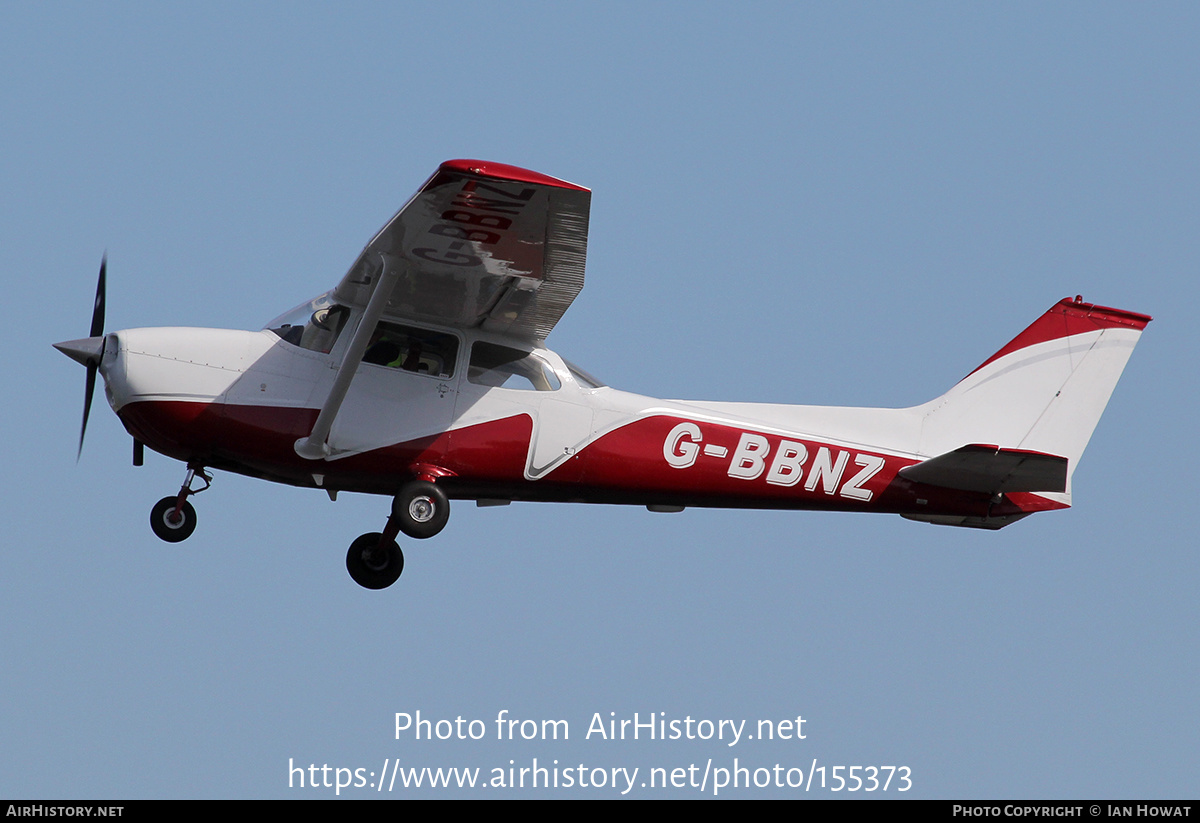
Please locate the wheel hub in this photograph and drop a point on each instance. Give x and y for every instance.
(375, 560)
(421, 509)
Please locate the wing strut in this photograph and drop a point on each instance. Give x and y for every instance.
(315, 447)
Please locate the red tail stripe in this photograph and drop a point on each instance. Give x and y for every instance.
(1069, 317)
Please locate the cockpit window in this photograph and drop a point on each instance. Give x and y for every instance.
(416, 350)
(314, 325)
(500, 366)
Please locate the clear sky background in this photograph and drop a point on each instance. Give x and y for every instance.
(847, 204)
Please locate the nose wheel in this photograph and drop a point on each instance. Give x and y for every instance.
(173, 519)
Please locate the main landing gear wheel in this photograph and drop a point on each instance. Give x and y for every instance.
(421, 509)
(374, 566)
(171, 525)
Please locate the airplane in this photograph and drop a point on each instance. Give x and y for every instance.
(423, 376)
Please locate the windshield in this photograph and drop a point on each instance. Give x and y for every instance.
(314, 325)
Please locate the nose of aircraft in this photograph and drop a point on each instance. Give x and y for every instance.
(86, 351)
(89, 352)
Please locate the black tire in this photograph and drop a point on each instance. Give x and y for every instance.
(372, 568)
(161, 520)
(422, 509)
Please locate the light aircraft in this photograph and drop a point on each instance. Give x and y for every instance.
(423, 376)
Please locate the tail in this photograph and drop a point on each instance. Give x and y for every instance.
(1043, 393)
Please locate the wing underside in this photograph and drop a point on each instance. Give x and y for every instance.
(480, 245)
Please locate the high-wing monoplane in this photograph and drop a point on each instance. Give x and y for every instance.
(423, 376)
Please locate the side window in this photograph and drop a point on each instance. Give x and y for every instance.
(416, 350)
(502, 367)
(583, 378)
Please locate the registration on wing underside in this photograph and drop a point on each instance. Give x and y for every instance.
(475, 250)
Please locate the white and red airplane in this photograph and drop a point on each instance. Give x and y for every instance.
(423, 376)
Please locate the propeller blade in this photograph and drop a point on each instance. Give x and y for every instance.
(89, 389)
(93, 363)
(98, 307)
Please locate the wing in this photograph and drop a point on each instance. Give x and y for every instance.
(481, 245)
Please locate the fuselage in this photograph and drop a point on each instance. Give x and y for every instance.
(497, 424)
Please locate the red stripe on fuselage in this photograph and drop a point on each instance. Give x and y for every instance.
(627, 465)
(260, 441)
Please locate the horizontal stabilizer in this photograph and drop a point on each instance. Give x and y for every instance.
(980, 468)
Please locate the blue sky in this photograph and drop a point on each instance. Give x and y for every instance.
(851, 204)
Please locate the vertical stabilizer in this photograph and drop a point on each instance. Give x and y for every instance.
(1044, 391)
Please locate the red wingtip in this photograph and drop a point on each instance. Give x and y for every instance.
(503, 171)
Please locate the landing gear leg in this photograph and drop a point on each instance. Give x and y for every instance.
(173, 519)
(374, 560)
(420, 510)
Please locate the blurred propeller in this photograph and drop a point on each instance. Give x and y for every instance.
(89, 350)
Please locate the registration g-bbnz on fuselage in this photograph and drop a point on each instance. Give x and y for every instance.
(423, 376)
